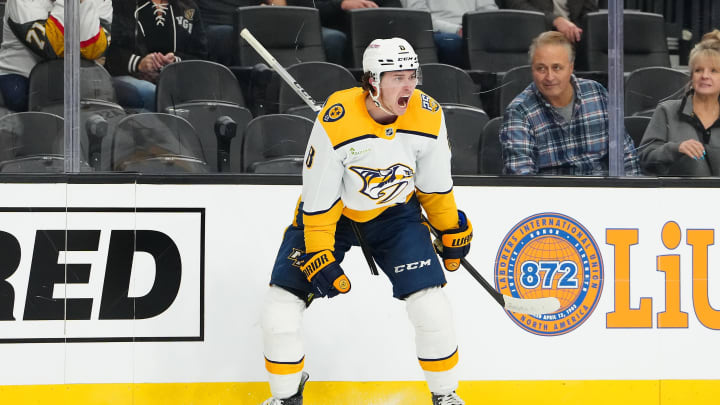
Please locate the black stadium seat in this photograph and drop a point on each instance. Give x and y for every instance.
(449, 84)
(291, 34)
(513, 82)
(275, 136)
(319, 80)
(497, 41)
(635, 127)
(491, 162)
(645, 42)
(204, 92)
(464, 125)
(646, 87)
(414, 26)
(157, 143)
(33, 142)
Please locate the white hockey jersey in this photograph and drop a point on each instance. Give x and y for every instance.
(33, 30)
(357, 167)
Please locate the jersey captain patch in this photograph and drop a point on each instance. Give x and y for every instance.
(428, 103)
(334, 113)
(384, 184)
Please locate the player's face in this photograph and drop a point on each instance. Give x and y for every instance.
(706, 76)
(396, 89)
(551, 70)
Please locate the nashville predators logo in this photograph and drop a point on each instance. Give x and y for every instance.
(384, 184)
(334, 113)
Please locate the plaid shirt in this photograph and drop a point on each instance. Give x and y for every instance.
(536, 139)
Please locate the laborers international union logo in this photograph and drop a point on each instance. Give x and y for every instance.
(551, 255)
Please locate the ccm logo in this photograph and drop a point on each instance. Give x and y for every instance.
(101, 275)
(412, 266)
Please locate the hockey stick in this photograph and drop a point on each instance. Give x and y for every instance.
(260, 49)
(533, 306)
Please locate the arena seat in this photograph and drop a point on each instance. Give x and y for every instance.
(33, 142)
(449, 85)
(319, 80)
(157, 143)
(275, 136)
(498, 40)
(491, 162)
(291, 34)
(513, 82)
(414, 26)
(203, 92)
(646, 87)
(97, 97)
(635, 127)
(645, 42)
(464, 126)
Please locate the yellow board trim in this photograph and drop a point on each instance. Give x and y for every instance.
(626, 392)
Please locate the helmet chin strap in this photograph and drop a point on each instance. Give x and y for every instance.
(377, 102)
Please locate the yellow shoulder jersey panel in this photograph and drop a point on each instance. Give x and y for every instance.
(423, 115)
(344, 116)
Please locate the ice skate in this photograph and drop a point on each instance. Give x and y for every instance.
(296, 399)
(447, 399)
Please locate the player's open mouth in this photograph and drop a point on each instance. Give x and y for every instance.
(403, 101)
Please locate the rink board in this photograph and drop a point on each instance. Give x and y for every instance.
(196, 338)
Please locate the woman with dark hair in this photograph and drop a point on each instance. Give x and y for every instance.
(148, 35)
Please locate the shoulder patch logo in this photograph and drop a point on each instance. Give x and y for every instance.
(428, 103)
(384, 184)
(190, 13)
(334, 113)
(551, 255)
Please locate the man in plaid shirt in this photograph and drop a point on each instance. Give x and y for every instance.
(559, 123)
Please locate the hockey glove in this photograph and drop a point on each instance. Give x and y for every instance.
(325, 274)
(454, 244)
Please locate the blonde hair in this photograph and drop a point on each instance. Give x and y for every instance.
(708, 47)
(551, 38)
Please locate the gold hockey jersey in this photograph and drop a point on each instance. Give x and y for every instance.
(356, 167)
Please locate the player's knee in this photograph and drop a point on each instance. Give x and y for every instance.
(282, 312)
(429, 310)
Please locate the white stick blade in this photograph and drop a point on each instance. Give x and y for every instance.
(532, 306)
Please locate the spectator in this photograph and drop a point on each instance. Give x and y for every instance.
(559, 123)
(218, 16)
(562, 15)
(683, 137)
(333, 20)
(447, 24)
(34, 33)
(147, 36)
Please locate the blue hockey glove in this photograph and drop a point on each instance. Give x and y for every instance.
(325, 274)
(454, 244)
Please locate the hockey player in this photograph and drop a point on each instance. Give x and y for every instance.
(376, 155)
(33, 31)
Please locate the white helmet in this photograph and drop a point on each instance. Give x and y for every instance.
(388, 55)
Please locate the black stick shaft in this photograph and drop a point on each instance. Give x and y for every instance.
(476, 275)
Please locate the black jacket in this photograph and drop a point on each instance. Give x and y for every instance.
(139, 28)
(576, 9)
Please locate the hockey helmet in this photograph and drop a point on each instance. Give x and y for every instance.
(388, 55)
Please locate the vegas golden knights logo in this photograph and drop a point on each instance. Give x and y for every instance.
(384, 184)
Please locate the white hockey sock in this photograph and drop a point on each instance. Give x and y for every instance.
(284, 356)
(430, 313)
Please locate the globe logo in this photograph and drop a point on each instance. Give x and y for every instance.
(551, 255)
